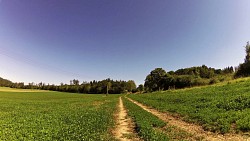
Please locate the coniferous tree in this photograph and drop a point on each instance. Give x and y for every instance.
(243, 70)
(247, 48)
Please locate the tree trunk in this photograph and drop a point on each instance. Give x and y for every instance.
(107, 91)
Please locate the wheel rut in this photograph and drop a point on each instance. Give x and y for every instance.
(196, 130)
(124, 126)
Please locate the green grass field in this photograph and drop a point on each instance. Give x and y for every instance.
(219, 108)
(45, 115)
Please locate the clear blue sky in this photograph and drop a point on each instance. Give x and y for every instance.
(55, 41)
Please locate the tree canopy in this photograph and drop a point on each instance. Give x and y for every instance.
(155, 80)
(243, 69)
(159, 79)
(5, 82)
(93, 87)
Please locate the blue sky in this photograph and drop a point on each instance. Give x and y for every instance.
(56, 41)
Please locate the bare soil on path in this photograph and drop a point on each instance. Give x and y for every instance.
(124, 129)
(193, 129)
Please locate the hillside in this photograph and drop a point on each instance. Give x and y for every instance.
(223, 107)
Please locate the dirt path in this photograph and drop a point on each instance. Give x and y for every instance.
(124, 129)
(196, 130)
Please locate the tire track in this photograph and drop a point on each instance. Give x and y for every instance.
(196, 130)
(124, 128)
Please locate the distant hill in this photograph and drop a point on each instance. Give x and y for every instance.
(5, 82)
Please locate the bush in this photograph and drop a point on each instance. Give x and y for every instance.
(213, 81)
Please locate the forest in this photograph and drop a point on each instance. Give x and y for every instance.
(106, 86)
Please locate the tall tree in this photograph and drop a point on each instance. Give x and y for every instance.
(75, 82)
(155, 80)
(131, 85)
(247, 49)
(244, 69)
(140, 88)
(108, 84)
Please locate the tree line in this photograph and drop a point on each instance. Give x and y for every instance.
(106, 86)
(159, 79)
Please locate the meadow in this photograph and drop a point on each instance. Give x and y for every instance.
(46, 115)
(49, 115)
(221, 108)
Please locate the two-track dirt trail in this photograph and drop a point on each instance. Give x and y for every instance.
(196, 130)
(124, 128)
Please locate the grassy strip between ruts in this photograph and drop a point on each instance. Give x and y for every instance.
(150, 127)
(56, 116)
(147, 125)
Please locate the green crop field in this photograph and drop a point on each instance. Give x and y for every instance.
(45, 115)
(219, 108)
(150, 128)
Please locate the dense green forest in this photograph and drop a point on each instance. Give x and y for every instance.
(159, 79)
(107, 86)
